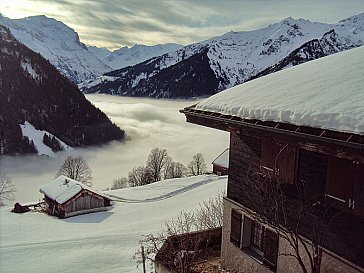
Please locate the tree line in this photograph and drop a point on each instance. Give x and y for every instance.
(160, 166)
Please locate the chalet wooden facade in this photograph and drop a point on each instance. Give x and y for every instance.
(220, 165)
(330, 163)
(65, 197)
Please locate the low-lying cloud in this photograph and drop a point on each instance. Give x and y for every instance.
(149, 123)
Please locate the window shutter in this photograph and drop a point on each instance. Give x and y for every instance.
(267, 161)
(247, 227)
(235, 231)
(359, 191)
(278, 160)
(340, 182)
(270, 248)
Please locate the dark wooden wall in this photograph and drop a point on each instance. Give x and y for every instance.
(345, 235)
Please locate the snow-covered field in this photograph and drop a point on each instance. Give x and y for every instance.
(99, 242)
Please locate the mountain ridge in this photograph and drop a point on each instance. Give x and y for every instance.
(61, 45)
(234, 57)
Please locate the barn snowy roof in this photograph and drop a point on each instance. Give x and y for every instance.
(326, 93)
(223, 159)
(64, 188)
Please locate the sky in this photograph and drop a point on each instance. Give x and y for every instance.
(116, 23)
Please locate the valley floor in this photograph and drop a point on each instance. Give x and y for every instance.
(98, 242)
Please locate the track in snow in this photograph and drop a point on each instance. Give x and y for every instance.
(169, 194)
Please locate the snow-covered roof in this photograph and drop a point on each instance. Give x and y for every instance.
(223, 159)
(326, 93)
(64, 188)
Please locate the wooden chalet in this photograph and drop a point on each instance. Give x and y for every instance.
(324, 160)
(220, 165)
(65, 197)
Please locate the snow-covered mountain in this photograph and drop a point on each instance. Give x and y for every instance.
(40, 107)
(61, 45)
(221, 62)
(128, 56)
(57, 43)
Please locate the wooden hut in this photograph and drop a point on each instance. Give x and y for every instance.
(220, 165)
(65, 197)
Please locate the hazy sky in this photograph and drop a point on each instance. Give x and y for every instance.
(115, 23)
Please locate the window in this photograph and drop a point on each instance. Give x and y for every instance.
(257, 233)
(254, 239)
(278, 160)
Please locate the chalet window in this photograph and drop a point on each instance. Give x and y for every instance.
(235, 230)
(254, 239)
(278, 160)
(257, 236)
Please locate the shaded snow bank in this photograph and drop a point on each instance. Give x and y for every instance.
(326, 93)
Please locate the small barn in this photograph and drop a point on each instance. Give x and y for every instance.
(220, 165)
(65, 197)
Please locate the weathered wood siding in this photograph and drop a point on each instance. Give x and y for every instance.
(84, 201)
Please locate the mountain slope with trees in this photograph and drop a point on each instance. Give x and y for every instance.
(33, 90)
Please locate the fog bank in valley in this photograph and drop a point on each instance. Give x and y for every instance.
(148, 123)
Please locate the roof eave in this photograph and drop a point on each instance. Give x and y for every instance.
(225, 122)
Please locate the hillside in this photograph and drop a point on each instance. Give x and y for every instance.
(230, 59)
(32, 91)
(99, 242)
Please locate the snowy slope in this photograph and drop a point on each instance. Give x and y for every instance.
(57, 43)
(36, 136)
(232, 58)
(98, 242)
(325, 93)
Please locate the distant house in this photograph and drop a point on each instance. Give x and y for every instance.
(302, 127)
(65, 197)
(220, 165)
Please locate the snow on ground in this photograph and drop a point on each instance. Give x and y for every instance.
(98, 242)
(27, 67)
(36, 136)
(325, 93)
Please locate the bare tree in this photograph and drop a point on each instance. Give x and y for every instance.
(276, 208)
(156, 162)
(197, 166)
(7, 189)
(77, 169)
(180, 234)
(174, 170)
(140, 176)
(210, 212)
(120, 183)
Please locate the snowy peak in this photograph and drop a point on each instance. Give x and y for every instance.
(233, 58)
(126, 56)
(61, 45)
(57, 43)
